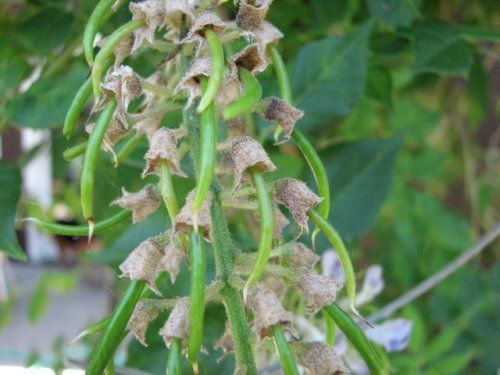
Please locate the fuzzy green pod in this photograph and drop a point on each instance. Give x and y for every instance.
(216, 71)
(245, 103)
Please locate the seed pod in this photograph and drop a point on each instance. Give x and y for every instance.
(153, 12)
(205, 20)
(285, 114)
(163, 146)
(267, 34)
(184, 220)
(298, 198)
(246, 152)
(142, 204)
(124, 85)
(144, 312)
(171, 259)
(250, 16)
(142, 262)
(299, 255)
(177, 324)
(317, 358)
(267, 310)
(280, 221)
(319, 289)
(201, 66)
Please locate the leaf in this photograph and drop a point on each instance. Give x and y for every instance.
(441, 343)
(45, 104)
(379, 84)
(38, 303)
(478, 91)
(440, 48)
(44, 31)
(10, 181)
(360, 174)
(61, 282)
(328, 76)
(395, 12)
(453, 363)
(12, 70)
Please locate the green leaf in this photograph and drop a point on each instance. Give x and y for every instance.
(379, 84)
(38, 303)
(10, 181)
(478, 91)
(61, 282)
(440, 48)
(44, 31)
(453, 363)
(395, 12)
(45, 104)
(328, 76)
(12, 69)
(360, 175)
(443, 342)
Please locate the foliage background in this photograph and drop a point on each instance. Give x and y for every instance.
(401, 99)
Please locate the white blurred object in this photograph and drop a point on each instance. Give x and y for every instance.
(331, 266)
(37, 184)
(393, 335)
(373, 284)
(18, 370)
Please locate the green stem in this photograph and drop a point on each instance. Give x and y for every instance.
(224, 259)
(286, 356)
(174, 365)
(357, 338)
(127, 148)
(113, 334)
(110, 368)
(75, 151)
(168, 192)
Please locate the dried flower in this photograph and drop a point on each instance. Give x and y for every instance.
(142, 262)
(280, 221)
(177, 324)
(153, 12)
(184, 220)
(285, 114)
(250, 57)
(171, 259)
(142, 203)
(318, 358)
(319, 289)
(267, 34)
(299, 255)
(298, 198)
(175, 11)
(163, 147)
(246, 152)
(203, 21)
(144, 312)
(190, 82)
(250, 16)
(267, 310)
(123, 49)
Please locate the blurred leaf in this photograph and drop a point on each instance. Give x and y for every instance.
(6, 309)
(10, 181)
(441, 343)
(440, 48)
(478, 91)
(328, 76)
(453, 363)
(395, 12)
(61, 282)
(38, 303)
(44, 31)
(45, 104)
(12, 70)
(379, 84)
(360, 175)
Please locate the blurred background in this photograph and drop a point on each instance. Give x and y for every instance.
(407, 125)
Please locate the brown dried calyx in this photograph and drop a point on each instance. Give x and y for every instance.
(267, 34)
(142, 262)
(153, 12)
(123, 49)
(318, 358)
(184, 220)
(205, 20)
(280, 221)
(267, 310)
(246, 152)
(299, 255)
(176, 10)
(252, 13)
(298, 198)
(250, 57)
(191, 81)
(177, 324)
(319, 289)
(163, 147)
(171, 259)
(144, 312)
(124, 85)
(142, 203)
(285, 114)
